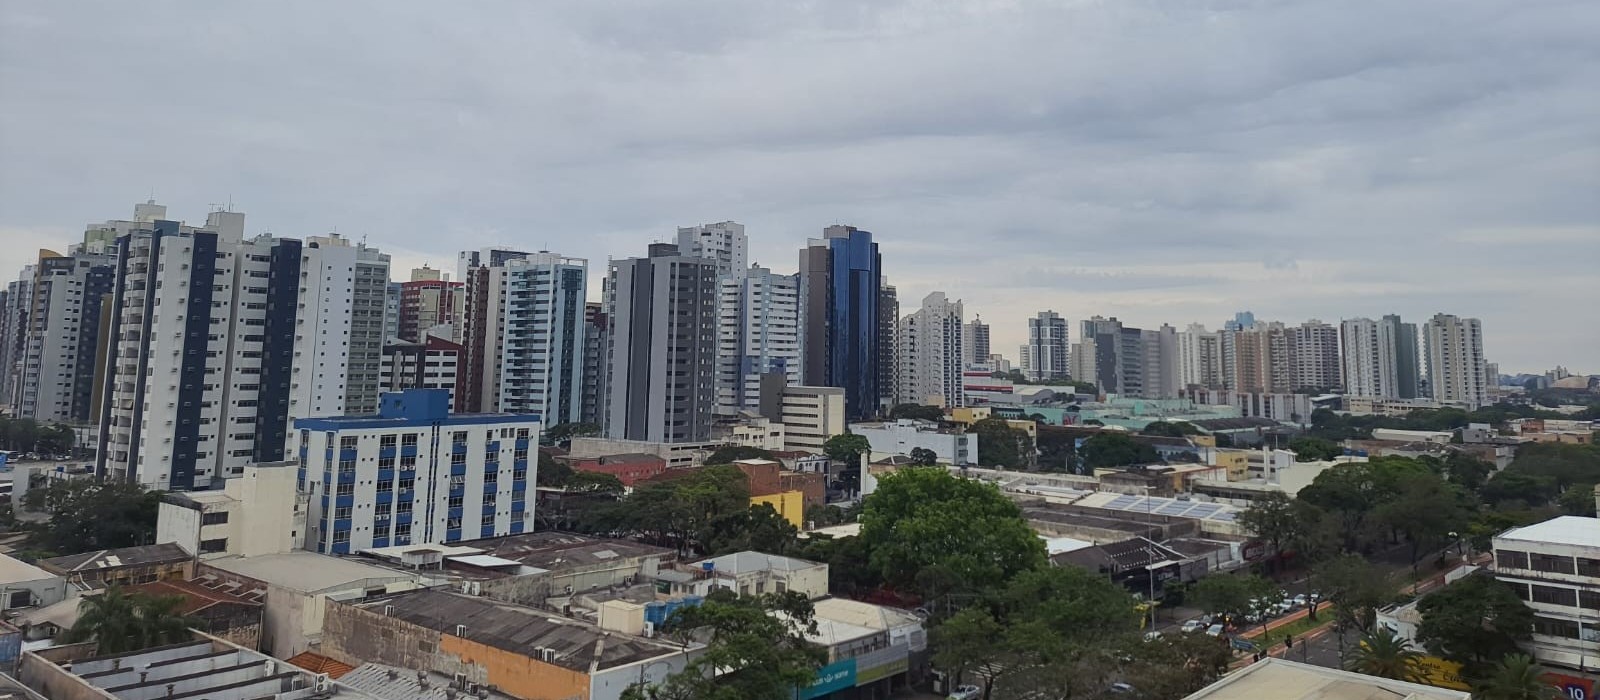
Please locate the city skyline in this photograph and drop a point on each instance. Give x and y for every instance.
(1111, 160)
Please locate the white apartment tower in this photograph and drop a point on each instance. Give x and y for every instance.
(1456, 367)
(60, 337)
(661, 313)
(758, 332)
(339, 309)
(1379, 357)
(1314, 346)
(977, 339)
(539, 359)
(1046, 352)
(1199, 358)
(929, 356)
(723, 242)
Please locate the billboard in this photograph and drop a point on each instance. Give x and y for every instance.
(835, 676)
(1441, 673)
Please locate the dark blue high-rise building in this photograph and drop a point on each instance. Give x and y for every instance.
(842, 340)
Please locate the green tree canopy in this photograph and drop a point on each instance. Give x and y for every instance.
(1314, 449)
(1273, 518)
(847, 448)
(924, 457)
(1356, 587)
(121, 622)
(728, 454)
(1115, 449)
(1516, 677)
(563, 433)
(922, 517)
(89, 515)
(1384, 655)
(916, 411)
(1164, 428)
(758, 528)
(1001, 445)
(756, 647)
(1229, 593)
(681, 513)
(1473, 621)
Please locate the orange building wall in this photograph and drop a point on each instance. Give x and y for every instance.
(519, 675)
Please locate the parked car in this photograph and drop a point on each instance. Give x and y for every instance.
(965, 692)
(1152, 635)
(1214, 631)
(1192, 626)
(1121, 689)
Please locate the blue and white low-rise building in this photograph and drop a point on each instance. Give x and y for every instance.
(415, 473)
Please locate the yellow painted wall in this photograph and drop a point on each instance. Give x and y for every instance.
(519, 675)
(1237, 464)
(789, 504)
(968, 415)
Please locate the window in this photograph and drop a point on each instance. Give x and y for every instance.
(488, 500)
(457, 482)
(519, 475)
(1550, 595)
(382, 511)
(522, 433)
(347, 489)
(214, 546)
(341, 536)
(458, 438)
(1555, 628)
(402, 533)
(386, 487)
(347, 442)
(452, 524)
(1510, 559)
(341, 513)
(488, 520)
(458, 458)
(1552, 564)
(408, 463)
(491, 476)
(1589, 599)
(347, 466)
(520, 455)
(455, 501)
(219, 518)
(408, 440)
(1589, 567)
(388, 462)
(407, 483)
(387, 441)
(403, 508)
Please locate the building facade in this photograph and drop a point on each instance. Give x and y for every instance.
(900, 437)
(661, 349)
(414, 474)
(758, 318)
(539, 361)
(61, 336)
(1457, 371)
(596, 335)
(976, 336)
(842, 301)
(929, 350)
(1314, 346)
(1199, 357)
(338, 327)
(426, 302)
(723, 242)
(1554, 567)
(433, 363)
(1047, 352)
(809, 414)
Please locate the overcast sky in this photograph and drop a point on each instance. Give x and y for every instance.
(1156, 161)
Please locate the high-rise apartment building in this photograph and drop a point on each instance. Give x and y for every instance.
(1379, 357)
(14, 315)
(976, 337)
(391, 311)
(1314, 346)
(538, 365)
(1162, 378)
(596, 334)
(1130, 362)
(338, 311)
(427, 302)
(1456, 367)
(1257, 358)
(758, 320)
(482, 326)
(61, 338)
(930, 359)
(842, 319)
(1199, 358)
(415, 473)
(888, 320)
(661, 349)
(433, 363)
(1047, 352)
(722, 242)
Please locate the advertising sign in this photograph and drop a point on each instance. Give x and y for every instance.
(835, 676)
(1441, 673)
(1572, 687)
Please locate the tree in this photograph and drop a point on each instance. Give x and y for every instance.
(1516, 677)
(727, 454)
(1467, 471)
(551, 473)
(1113, 449)
(563, 433)
(595, 484)
(924, 457)
(1314, 449)
(758, 528)
(1426, 510)
(1177, 665)
(1563, 463)
(756, 647)
(920, 517)
(1473, 621)
(1578, 499)
(1511, 489)
(847, 448)
(1272, 518)
(120, 622)
(827, 515)
(999, 444)
(916, 411)
(1176, 429)
(1356, 588)
(682, 513)
(1229, 593)
(89, 515)
(1384, 655)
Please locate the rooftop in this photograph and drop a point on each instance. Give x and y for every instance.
(305, 572)
(195, 596)
(578, 646)
(13, 570)
(555, 551)
(203, 669)
(1214, 424)
(392, 682)
(1290, 680)
(114, 558)
(745, 562)
(1568, 529)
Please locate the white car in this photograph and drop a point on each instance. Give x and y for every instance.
(1214, 631)
(1192, 626)
(965, 692)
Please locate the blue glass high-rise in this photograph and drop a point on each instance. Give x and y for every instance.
(855, 276)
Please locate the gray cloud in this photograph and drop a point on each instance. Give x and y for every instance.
(1162, 161)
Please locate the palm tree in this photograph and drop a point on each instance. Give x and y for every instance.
(1516, 677)
(122, 622)
(1384, 655)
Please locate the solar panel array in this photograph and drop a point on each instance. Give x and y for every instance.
(1200, 510)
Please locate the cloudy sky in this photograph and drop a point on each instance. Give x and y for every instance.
(1157, 161)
